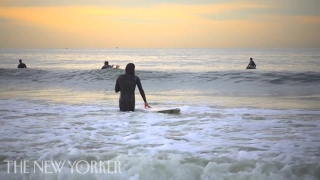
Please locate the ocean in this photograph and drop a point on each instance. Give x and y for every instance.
(60, 117)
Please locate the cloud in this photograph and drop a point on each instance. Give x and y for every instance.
(68, 16)
(5, 20)
(162, 25)
(113, 3)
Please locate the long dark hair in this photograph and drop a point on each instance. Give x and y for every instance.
(130, 69)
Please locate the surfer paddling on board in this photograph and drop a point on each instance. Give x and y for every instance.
(106, 65)
(126, 83)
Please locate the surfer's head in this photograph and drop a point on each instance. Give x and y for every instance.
(130, 69)
(106, 63)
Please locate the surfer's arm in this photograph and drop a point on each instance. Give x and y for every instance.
(141, 90)
(146, 105)
(117, 87)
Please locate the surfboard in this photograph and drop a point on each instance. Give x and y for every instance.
(170, 111)
(165, 110)
(250, 67)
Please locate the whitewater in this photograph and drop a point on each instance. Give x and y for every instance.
(60, 117)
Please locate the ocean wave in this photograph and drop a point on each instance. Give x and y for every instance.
(207, 82)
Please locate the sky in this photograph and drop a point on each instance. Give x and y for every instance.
(159, 23)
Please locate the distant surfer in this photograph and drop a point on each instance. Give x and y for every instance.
(252, 63)
(106, 65)
(21, 64)
(126, 83)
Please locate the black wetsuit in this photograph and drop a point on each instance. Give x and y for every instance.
(106, 67)
(126, 83)
(22, 65)
(252, 64)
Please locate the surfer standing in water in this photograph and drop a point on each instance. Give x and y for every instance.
(126, 83)
(106, 65)
(251, 63)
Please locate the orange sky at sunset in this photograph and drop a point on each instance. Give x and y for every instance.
(215, 25)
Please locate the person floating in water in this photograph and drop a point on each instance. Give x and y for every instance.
(21, 65)
(126, 83)
(106, 65)
(252, 63)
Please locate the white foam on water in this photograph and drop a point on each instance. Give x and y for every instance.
(202, 142)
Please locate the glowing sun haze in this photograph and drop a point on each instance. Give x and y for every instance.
(159, 24)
